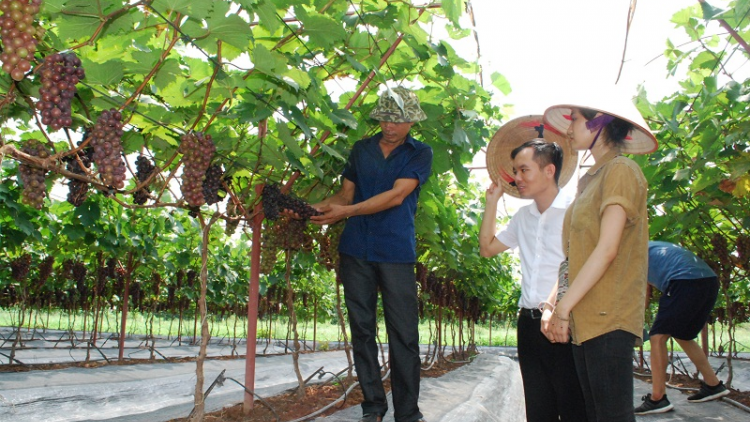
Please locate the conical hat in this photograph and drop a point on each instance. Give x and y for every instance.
(639, 141)
(512, 135)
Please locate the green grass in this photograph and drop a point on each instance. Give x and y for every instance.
(164, 325)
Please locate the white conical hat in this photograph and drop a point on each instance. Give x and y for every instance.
(639, 141)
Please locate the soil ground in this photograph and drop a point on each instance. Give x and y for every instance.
(289, 406)
(286, 405)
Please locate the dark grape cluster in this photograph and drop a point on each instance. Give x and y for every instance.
(192, 276)
(743, 250)
(328, 245)
(720, 247)
(111, 266)
(34, 188)
(78, 189)
(45, 270)
(274, 202)
(156, 282)
(234, 221)
(18, 35)
(59, 75)
(270, 245)
(197, 151)
(212, 184)
(20, 267)
(106, 139)
(143, 169)
(287, 234)
(79, 276)
(66, 269)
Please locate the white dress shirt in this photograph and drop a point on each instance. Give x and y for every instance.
(538, 237)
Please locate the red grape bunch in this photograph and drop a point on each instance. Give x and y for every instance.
(20, 267)
(197, 151)
(274, 202)
(18, 35)
(234, 219)
(212, 184)
(59, 76)
(34, 188)
(143, 169)
(78, 189)
(743, 250)
(45, 271)
(106, 139)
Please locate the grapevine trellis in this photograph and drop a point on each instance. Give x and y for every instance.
(168, 119)
(206, 128)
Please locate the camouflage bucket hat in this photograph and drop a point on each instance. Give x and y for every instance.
(398, 105)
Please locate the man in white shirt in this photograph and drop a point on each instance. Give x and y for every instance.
(551, 388)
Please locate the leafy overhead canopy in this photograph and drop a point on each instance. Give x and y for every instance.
(283, 88)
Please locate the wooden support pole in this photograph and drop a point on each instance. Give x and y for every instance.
(252, 305)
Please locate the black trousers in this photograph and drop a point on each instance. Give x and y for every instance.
(397, 283)
(550, 381)
(605, 368)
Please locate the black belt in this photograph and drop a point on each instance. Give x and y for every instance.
(531, 313)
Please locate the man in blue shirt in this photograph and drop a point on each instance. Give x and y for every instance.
(688, 289)
(378, 197)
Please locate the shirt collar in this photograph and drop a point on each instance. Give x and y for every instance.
(409, 140)
(561, 202)
(609, 156)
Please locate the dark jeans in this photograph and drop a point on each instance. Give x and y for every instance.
(550, 382)
(605, 368)
(397, 283)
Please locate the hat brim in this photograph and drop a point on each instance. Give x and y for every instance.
(640, 140)
(512, 135)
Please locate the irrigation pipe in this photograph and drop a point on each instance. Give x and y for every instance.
(219, 380)
(337, 375)
(429, 367)
(736, 404)
(19, 362)
(248, 391)
(330, 405)
(333, 403)
(99, 350)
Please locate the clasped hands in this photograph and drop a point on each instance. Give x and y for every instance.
(554, 326)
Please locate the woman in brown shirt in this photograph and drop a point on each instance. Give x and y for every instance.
(605, 235)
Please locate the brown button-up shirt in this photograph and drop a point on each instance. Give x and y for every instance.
(616, 301)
